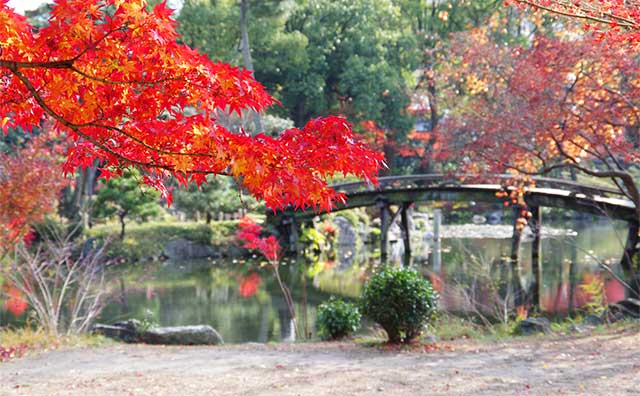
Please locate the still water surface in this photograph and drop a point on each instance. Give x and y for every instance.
(243, 301)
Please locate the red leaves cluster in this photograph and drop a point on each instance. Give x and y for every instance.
(249, 234)
(532, 110)
(8, 353)
(610, 20)
(375, 136)
(30, 183)
(112, 75)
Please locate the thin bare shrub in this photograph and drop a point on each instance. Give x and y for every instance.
(65, 289)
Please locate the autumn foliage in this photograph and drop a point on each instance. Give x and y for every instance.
(113, 76)
(30, 183)
(15, 301)
(611, 20)
(249, 285)
(563, 103)
(249, 234)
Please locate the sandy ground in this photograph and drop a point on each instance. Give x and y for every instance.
(590, 365)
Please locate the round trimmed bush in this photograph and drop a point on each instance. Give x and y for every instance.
(337, 319)
(400, 301)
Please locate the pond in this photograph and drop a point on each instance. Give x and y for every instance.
(244, 303)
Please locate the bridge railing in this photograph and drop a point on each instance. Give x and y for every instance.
(440, 180)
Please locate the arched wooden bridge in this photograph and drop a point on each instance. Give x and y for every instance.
(403, 191)
(548, 192)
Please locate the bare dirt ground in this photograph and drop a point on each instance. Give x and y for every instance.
(591, 365)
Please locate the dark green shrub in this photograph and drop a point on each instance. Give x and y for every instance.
(337, 319)
(401, 301)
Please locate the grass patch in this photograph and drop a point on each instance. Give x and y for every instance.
(18, 342)
(449, 328)
(147, 240)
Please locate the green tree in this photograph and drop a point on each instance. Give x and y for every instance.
(219, 194)
(358, 61)
(211, 26)
(317, 57)
(126, 197)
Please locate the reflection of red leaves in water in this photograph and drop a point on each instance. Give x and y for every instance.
(436, 281)
(249, 285)
(15, 302)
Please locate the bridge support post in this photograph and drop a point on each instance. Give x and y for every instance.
(291, 232)
(436, 249)
(573, 281)
(406, 233)
(631, 251)
(535, 223)
(385, 223)
(519, 297)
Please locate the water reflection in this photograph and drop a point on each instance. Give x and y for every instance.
(244, 303)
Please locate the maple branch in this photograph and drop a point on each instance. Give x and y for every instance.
(14, 65)
(584, 14)
(77, 128)
(69, 65)
(631, 192)
(128, 82)
(617, 92)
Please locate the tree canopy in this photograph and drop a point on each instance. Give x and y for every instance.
(112, 75)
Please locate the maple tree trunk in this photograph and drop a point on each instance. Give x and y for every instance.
(630, 261)
(121, 217)
(629, 256)
(246, 55)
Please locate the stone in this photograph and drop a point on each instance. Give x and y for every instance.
(132, 331)
(532, 326)
(578, 328)
(127, 331)
(185, 249)
(430, 339)
(592, 320)
(182, 335)
(629, 308)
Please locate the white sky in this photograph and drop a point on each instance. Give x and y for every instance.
(21, 5)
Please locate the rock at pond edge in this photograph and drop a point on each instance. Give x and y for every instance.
(131, 331)
(182, 335)
(184, 249)
(532, 326)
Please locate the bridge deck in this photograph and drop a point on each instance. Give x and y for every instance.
(422, 188)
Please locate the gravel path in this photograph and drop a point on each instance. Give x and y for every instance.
(593, 365)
